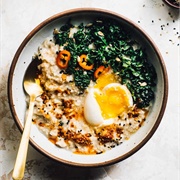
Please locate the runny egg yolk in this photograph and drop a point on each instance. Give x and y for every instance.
(104, 80)
(113, 100)
(114, 97)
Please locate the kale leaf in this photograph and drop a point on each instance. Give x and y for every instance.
(107, 43)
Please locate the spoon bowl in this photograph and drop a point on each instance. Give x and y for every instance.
(33, 89)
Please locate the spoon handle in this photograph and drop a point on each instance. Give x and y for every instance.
(19, 167)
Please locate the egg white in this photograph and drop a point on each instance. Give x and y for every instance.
(92, 112)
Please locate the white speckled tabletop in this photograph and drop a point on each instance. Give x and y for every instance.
(159, 158)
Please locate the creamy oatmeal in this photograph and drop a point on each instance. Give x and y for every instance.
(89, 117)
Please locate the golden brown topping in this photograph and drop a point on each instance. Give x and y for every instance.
(107, 134)
(44, 97)
(76, 137)
(64, 76)
(58, 116)
(67, 91)
(80, 138)
(67, 103)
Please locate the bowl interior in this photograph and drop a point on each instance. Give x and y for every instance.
(17, 97)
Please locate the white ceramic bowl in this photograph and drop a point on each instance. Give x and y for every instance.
(17, 97)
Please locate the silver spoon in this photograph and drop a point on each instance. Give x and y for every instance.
(33, 89)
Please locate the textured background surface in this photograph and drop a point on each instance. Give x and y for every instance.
(159, 158)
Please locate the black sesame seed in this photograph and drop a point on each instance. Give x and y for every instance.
(67, 122)
(99, 152)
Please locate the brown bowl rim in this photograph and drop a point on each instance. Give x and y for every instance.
(60, 15)
(168, 2)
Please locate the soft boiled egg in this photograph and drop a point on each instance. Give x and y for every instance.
(106, 101)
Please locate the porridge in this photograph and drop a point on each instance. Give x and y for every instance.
(98, 87)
